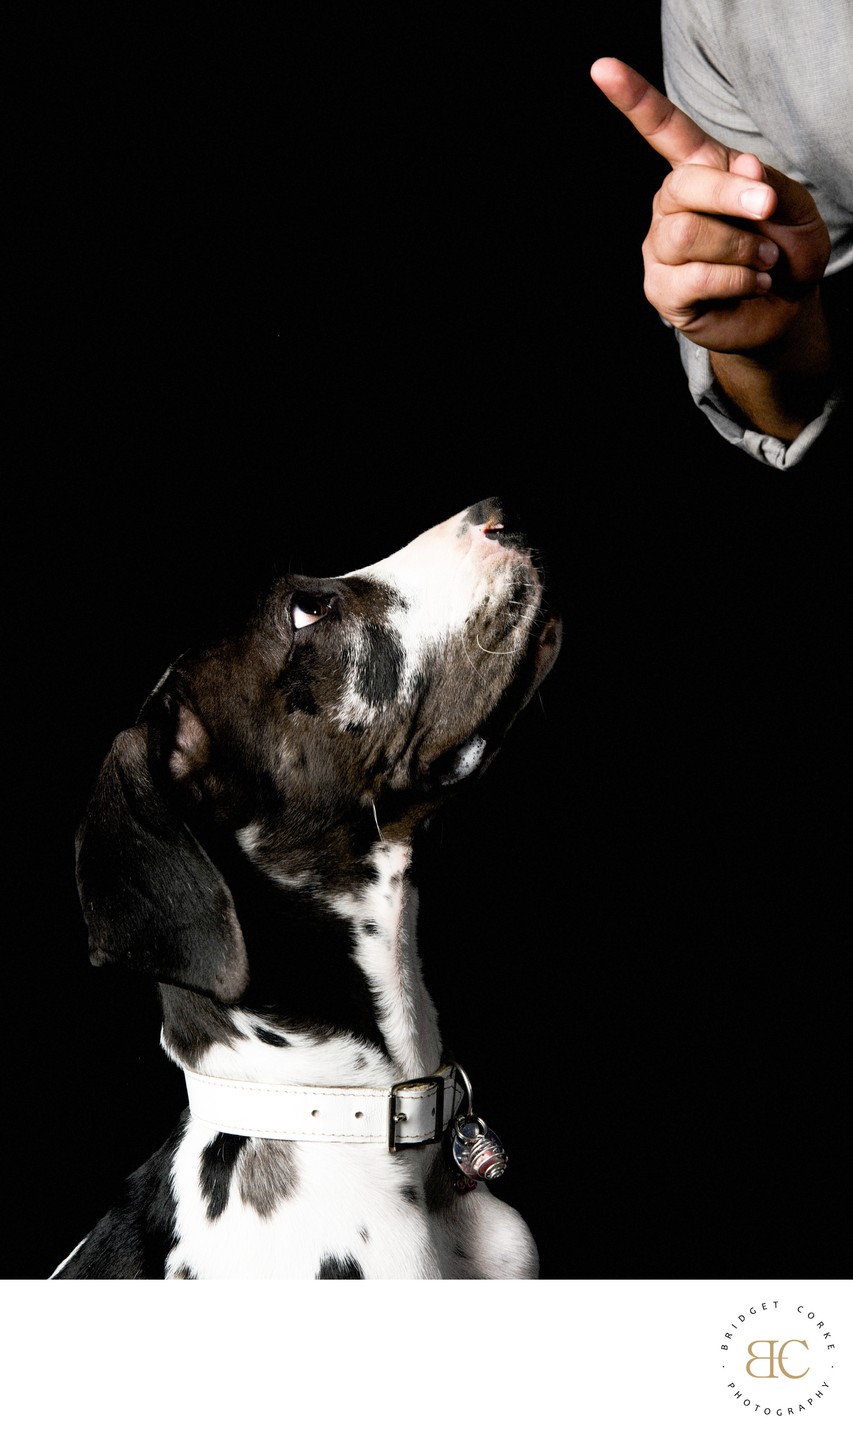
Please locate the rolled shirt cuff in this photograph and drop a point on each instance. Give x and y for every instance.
(709, 397)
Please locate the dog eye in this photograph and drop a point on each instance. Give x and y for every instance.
(306, 608)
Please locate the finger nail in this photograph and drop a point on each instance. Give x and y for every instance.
(763, 281)
(755, 201)
(768, 252)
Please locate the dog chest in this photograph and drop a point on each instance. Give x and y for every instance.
(259, 1209)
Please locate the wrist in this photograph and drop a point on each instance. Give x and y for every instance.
(782, 386)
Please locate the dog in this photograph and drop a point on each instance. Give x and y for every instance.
(251, 845)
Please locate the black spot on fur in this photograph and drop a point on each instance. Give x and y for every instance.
(267, 1175)
(370, 928)
(194, 1023)
(333, 1268)
(270, 1038)
(438, 1186)
(360, 1062)
(183, 1272)
(410, 1193)
(332, 993)
(380, 665)
(132, 1241)
(365, 1236)
(217, 1167)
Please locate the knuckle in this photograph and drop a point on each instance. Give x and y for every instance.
(683, 233)
(675, 185)
(743, 246)
(722, 193)
(660, 288)
(725, 281)
(741, 281)
(716, 281)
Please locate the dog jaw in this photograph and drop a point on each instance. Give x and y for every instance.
(471, 615)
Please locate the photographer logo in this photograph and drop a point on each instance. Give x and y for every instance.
(779, 1358)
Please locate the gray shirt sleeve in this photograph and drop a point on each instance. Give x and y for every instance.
(771, 77)
(710, 398)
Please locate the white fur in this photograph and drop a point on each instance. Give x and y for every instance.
(340, 1192)
(443, 577)
(346, 1201)
(389, 959)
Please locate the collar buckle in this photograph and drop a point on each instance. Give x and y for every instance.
(425, 1087)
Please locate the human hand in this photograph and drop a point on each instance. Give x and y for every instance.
(735, 249)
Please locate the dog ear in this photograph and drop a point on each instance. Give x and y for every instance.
(152, 898)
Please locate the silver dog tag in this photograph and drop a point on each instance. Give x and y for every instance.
(477, 1150)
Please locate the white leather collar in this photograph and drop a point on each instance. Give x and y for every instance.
(413, 1112)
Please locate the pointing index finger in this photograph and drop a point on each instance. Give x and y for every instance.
(661, 123)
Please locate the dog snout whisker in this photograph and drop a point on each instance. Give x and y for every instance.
(497, 651)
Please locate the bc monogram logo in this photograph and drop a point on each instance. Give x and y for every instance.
(773, 1358)
(788, 1343)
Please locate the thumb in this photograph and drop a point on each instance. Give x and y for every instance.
(793, 204)
(661, 123)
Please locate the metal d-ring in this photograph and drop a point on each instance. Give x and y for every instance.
(468, 1091)
(462, 1119)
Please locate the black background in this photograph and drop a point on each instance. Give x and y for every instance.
(293, 292)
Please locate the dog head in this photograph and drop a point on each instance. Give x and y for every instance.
(343, 712)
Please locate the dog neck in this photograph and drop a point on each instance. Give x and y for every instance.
(337, 994)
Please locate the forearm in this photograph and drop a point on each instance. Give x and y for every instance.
(780, 390)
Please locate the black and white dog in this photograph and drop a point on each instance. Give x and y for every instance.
(249, 844)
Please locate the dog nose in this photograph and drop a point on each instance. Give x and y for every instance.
(487, 514)
(497, 521)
